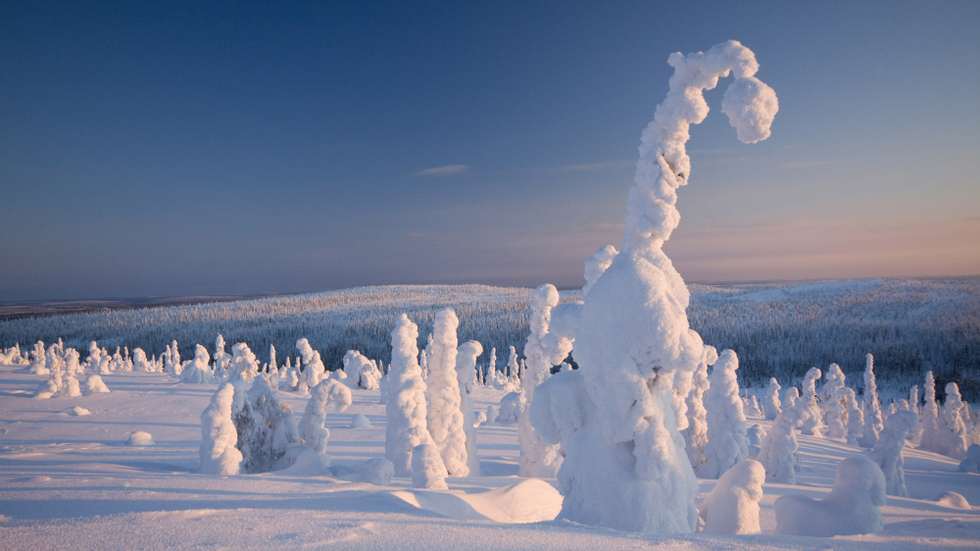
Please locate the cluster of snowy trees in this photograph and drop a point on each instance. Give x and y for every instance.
(778, 329)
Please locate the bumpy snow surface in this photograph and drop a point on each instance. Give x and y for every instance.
(70, 483)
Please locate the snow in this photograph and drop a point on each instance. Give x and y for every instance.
(218, 452)
(727, 440)
(852, 507)
(65, 484)
(139, 438)
(732, 507)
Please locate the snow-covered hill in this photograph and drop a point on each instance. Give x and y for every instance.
(777, 329)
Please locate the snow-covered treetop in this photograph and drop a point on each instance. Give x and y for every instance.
(664, 165)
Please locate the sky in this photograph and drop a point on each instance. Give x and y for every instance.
(240, 148)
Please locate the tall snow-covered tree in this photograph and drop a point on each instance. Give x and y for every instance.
(780, 447)
(405, 405)
(219, 454)
(445, 416)
(887, 452)
(957, 435)
(931, 426)
(834, 407)
(810, 415)
(625, 463)
(771, 404)
(538, 458)
(696, 433)
(198, 370)
(727, 440)
(313, 368)
(873, 419)
(466, 356)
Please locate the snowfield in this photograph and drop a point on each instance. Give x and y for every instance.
(70, 482)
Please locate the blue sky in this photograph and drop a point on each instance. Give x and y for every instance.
(240, 148)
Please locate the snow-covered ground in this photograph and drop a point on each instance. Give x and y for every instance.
(73, 482)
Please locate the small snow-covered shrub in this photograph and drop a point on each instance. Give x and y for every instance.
(139, 438)
(361, 371)
(971, 463)
(428, 471)
(852, 507)
(732, 507)
(78, 411)
(511, 406)
(95, 385)
(313, 368)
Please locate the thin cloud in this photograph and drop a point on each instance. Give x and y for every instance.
(443, 170)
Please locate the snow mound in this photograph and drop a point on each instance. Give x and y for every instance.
(360, 421)
(139, 438)
(530, 500)
(953, 500)
(78, 411)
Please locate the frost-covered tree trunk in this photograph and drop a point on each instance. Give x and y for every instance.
(445, 416)
(727, 440)
(219, 454)
(873, 420)
(406, 407)
(625, 462)
(772, 405)
(810, 415)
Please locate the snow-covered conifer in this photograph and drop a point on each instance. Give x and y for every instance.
(445, 416)
(772, 405)
(696, 433)
(491, 375)
(727, 441)
(198, 370)
(931, 426)
(873, 420)
(244, 365)
(466, 356)
(405, 393)
(361, 371)
(957, 435)
(140, 363)
(887, 453)
(538, 458)
(326, 395)
(219, 454)
(626, 466)
(39, 359)
(266, 429)
(855, 417)
(779, 449)
(313, 368)
(810, 415)
(834, 407)
(95, 385)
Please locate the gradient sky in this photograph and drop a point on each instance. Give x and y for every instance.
(237, 148)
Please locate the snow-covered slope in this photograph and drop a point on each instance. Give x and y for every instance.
(69, 482)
